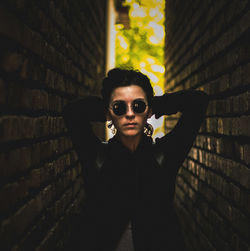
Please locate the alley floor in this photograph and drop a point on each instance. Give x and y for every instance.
(126, 243)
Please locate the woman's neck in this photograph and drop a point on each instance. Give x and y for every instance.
(130, 142)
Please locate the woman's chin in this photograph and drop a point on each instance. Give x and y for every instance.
(131, 133)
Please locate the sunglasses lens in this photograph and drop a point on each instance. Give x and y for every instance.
(139, 106)
(119, 108)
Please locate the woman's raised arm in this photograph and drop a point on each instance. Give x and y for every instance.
(192, 104)
(78, 116)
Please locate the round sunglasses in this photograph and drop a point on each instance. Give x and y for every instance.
(119, 107)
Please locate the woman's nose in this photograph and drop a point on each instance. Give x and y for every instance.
(130, 111)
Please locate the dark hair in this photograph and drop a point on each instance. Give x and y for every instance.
(118, 77)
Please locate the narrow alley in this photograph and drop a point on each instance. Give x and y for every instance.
(55, 51)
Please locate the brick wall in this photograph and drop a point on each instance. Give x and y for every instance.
(51, 52)
(207, 48)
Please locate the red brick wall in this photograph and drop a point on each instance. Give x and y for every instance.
(51, 52)
(207, 48)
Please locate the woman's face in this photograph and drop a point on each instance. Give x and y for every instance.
(130, 124)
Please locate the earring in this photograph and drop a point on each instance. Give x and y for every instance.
(148, 129)
(112, 127)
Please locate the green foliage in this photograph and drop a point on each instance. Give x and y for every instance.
(141, 46)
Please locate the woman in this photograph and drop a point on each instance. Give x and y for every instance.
(130, 178)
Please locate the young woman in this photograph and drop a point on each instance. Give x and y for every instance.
(130, 178)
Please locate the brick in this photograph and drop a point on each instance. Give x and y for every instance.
(211, 125)
(236, 77)
(245, 102)
(246, 74)
(11, 62)
(39, 100)
(246, 154)
(8, 197)
(2, 92)
(225, 126)
(231, 191)
(244, 124)
(77, 185)
(17, 161)
(225, 147)
(54, 103)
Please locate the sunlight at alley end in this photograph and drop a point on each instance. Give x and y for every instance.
(55, 51)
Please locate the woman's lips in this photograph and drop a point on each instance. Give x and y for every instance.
(130, 124)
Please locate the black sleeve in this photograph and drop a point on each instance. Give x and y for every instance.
(192, 104)
(78, 116)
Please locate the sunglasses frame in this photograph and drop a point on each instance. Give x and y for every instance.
(126, 105)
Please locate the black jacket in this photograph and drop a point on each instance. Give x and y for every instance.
(138, 186)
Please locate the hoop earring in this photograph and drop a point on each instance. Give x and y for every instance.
(148, 129)
(112, 127)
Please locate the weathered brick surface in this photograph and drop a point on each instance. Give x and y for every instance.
(207, 48)
(51, 52)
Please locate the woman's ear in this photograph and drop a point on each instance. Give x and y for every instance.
(108, 116)
(150, 113)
